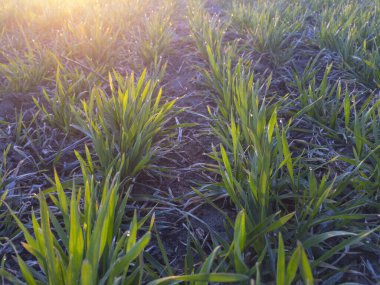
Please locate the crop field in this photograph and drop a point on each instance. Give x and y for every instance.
(190, 142)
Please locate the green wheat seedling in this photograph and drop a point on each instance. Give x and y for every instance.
(244, 170)
(321, 101)
(157, 35)
(362, 124)
(208, 31)
(128, 123)
(358, 23)
(220, 76)
(372, 68)
(362, 129)
(205, 275)
(232, 262)
(323, 222)
(23, 73)
(250, 183)
(22, 128)
(352, 32)
(4, 171)
(250, 156)
(365, 127)
(89, 246)
(364, 66)
(254, 151)
(285, 274)
(71, 87)
(7, 226)
(220, 58)
(271, 29)
(93, 41)
(316, 201)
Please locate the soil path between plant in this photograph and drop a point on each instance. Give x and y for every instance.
(187, 161)
(182, 82)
